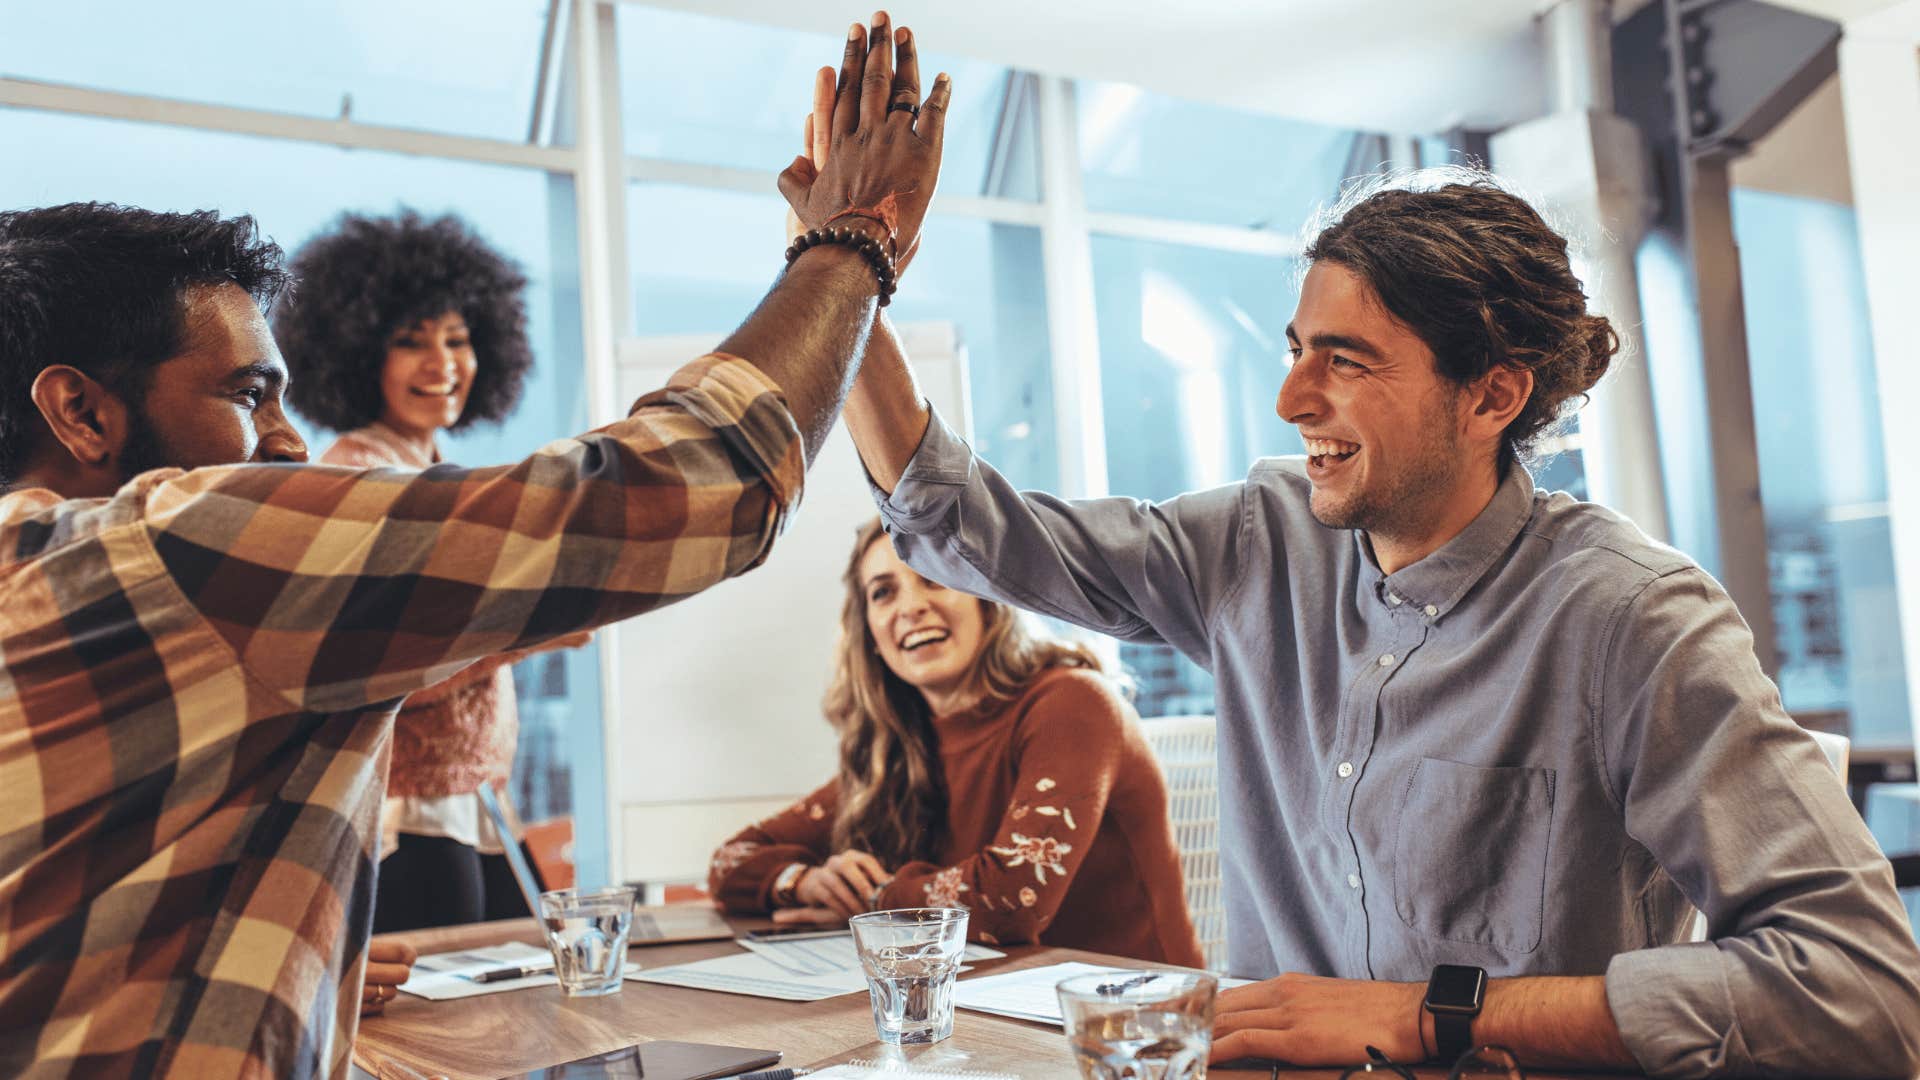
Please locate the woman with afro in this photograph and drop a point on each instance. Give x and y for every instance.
(401, 327)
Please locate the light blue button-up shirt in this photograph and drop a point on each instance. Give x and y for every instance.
(1534, 750)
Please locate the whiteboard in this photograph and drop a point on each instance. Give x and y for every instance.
(719, 711)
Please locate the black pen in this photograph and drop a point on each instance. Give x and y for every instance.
(503, 974)
(773, 1074)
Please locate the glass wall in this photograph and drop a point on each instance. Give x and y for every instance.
(1158, 156)
(1193, 348)
(695, 271)
(1193, 344)
(462, 67)
(674, 108)
(1823, 469)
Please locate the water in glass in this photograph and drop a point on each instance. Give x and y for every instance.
(587, 933)
(911, 957)
(1139, 1025)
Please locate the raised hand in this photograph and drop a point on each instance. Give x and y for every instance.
(882, 143)
(813, 137)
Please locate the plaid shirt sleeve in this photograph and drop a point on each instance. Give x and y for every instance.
(340, 588)
(187, 843)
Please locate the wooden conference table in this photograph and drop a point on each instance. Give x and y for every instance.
(481, 1038)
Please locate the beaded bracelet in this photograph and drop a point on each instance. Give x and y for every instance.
(862, 242)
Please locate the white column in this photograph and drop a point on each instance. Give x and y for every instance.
(1880, 85)
(1073, 332)
(1590, 170)
(605, 308)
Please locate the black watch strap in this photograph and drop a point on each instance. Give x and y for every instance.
(1452, 1036)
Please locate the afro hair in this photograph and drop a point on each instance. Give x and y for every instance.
(367, 277)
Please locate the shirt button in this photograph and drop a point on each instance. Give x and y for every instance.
(1432, 611)
(1387, 660)
(1394, 600)
(1345, 770)
(1353, 881)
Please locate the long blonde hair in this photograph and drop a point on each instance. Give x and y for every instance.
(893, 802)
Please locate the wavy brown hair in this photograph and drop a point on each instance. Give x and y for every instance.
(893, 802)
(1481, 277)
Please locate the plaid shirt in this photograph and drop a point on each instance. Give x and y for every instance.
(198, 678)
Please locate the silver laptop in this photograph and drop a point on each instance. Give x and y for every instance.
(651, 925)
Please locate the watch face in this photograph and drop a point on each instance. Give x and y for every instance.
(1456, 987)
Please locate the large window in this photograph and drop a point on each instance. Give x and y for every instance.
(674, 108)
(1151, 155)
(1193, 348)
(702, 258)
(1823, 470)
(1193, 343)
(464, 67)
(693, 250)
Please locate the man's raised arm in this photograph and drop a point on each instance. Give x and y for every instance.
(340, 588)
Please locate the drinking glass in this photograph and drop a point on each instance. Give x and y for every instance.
(910, 956)
(587, 931)
(1139, 1025)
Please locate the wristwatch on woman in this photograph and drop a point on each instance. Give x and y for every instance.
(1454, 996)
(786, 883)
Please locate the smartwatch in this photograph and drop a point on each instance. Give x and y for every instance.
(1454, 996)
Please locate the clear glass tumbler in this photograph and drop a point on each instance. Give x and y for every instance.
(911, 956)
(587, 930)
(1139, 1025)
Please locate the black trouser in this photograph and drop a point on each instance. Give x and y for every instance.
(435, 881)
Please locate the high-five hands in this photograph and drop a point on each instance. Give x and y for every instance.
(873, 146)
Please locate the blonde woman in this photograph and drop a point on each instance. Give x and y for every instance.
(981, 766)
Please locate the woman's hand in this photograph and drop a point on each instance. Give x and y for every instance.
(389, 963)
(842, 884)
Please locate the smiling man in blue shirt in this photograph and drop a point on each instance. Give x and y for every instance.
(1483, 748)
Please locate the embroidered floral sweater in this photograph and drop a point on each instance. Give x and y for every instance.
(1057, 830)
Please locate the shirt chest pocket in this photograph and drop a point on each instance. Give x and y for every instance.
(1470, 853)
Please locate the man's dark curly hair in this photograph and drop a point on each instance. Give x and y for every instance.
(367, 277)
(104, 289)
(1480, 276)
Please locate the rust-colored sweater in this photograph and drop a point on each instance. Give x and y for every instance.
(1057, 830)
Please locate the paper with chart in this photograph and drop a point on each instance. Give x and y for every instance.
(806, 970)
(823, 955)
(445, 976)
(1023, 995)
(1029, 994)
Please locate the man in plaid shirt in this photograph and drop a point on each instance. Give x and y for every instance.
(199, 669)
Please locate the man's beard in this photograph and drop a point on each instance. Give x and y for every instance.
(1401, 505)
(143, 450)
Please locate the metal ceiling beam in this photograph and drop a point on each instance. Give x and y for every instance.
(1705, 79)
